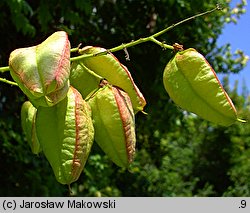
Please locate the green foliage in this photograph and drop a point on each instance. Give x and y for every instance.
(20, 12)
(178, 154)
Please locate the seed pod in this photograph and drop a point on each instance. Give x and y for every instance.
(193, 85)
(115, 73)
(66, 134)
(42, 71)
(114, 124)
(83, 79)
(28, 120)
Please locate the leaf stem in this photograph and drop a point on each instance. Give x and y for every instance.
(124, 46)
(91, 72)
(4, 69)
(8, 82)
(165, 46)
(72, 50)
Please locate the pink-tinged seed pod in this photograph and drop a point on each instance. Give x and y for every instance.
(42, 71)
(114, 124)
(65, 132)
(109, 67)
(193, 85)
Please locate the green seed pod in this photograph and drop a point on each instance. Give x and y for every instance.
(28, 120)
(109, 67)
(42, 71)
(66, 134)
(83, 79)
(114, 124)
(193, 85)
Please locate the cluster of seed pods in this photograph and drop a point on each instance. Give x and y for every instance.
(70, 105)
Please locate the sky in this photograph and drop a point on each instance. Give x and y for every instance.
(238, 35)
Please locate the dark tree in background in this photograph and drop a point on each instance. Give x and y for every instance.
(178, 154)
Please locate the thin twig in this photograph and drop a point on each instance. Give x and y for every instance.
(146, 39)
(185, 20)
(4, 69)
(8, 82)
(151, 38)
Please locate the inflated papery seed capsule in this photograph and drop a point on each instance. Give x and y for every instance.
(42, 71)
(83, 79)
(114, 124)
(66, 134)
(28, 120)
(193, 85)
(109, 67)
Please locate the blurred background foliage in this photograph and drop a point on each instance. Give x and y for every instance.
(178, 154)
